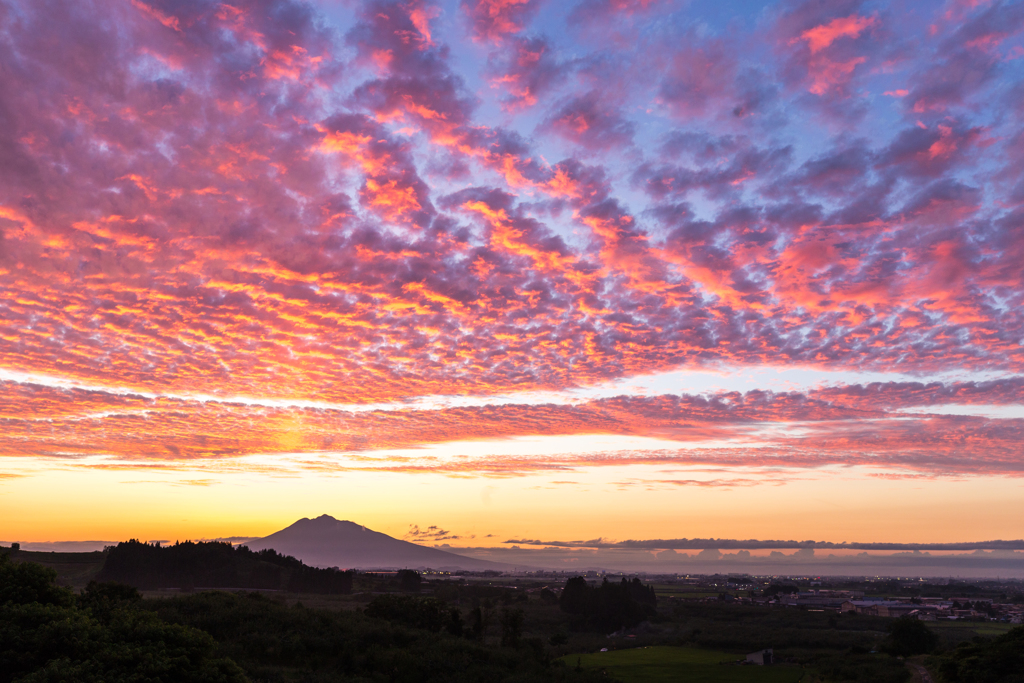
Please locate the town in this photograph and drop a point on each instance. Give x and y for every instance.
(926, 599)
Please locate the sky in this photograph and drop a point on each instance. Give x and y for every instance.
(491, 270)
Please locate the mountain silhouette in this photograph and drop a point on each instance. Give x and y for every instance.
(328, 542)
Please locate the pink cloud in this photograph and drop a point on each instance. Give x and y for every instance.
(847, 425)
(526, 69)
(495, 19)
(701, 76)
(820, 37)
(250, 203)
(590, 124)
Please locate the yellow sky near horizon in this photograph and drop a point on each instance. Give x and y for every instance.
(48, 500)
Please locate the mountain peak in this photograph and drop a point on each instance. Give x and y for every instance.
(325, 522)
(328, 542)
(322, 519)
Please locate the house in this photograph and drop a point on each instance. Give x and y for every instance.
(922, 615)
(897, 609)
(761, 657)
(875, 608)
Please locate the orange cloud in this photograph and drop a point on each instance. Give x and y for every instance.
(820, 37)
(394, 201)
(167, 20)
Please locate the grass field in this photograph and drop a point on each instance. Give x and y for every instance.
(73, 569)
(982, 628)
(681, 665)
(693, 595)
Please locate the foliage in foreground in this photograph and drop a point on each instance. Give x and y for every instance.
(109, 634)
(999, 660)
(859, 666)
(908, 637)
(49, 634)
(276, 643)
(424, 613)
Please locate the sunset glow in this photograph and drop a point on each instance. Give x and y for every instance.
(515, 268)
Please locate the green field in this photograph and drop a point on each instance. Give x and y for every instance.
(981, 628)
(693, 595)
(73, 569)
(681, 664)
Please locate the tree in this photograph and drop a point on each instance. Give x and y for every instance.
(479, 627)
(780, 589)
(610, 606)
(46, 634)
(575, 596)
(25, 583)
(102, 600)
(511, 627)
(409, 580)
(216, 565)
(909, 636)
(559, 638)
(455, 624)
(426, 613)
(999, 660)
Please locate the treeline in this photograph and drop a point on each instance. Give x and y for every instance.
(109, 634)
(428, 614)
(191, 565)
(610, 606)
(999, 660)
(431, 614)
(402, 638)
(47, 633)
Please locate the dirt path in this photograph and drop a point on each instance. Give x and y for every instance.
(921, 674)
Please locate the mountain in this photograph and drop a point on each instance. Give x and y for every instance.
(328, 542)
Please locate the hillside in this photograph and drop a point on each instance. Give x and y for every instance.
(74, 569)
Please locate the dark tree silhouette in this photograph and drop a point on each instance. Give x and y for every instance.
(511, 627)
(575, 596)
(428, 614)
(780, 589)
(217, 565)
(999, 660)
(610, 606)
(909, 636)
(409, 580)
(46, 634)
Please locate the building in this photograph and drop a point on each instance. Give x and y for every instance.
(923, 615)
(761, 657)
(882, 608)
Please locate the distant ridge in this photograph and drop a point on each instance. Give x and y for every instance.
(329, 542)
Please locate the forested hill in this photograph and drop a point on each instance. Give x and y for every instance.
(191, 565)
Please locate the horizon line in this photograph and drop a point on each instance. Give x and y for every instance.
(752, 544)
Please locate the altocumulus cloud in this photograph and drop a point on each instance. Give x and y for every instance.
(206, 201)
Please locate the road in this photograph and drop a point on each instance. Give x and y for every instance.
(921, 674)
